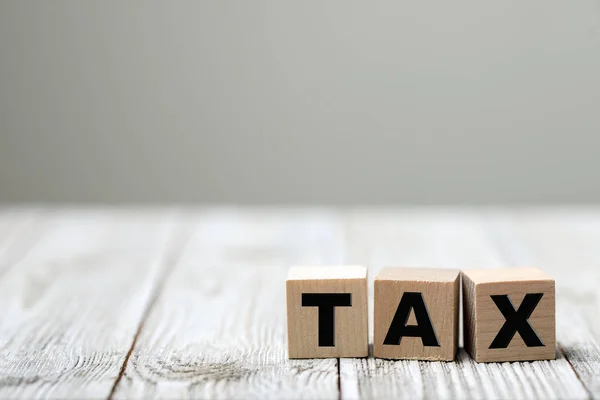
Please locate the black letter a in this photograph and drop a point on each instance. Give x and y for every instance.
(423, 329)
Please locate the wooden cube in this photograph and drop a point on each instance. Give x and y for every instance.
(327, 312)
(509, 314)
(416, 313)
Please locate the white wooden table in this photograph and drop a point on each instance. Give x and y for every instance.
(142, 303)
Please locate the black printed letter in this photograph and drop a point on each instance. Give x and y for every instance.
(326, 303)
(423, 329)
(516, 321)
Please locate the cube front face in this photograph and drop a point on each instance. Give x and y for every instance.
(510, 320)
(416, 318)
(327, 317)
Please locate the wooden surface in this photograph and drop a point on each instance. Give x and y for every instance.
(170, 303)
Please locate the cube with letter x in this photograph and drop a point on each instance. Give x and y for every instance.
(327, 312)
(509, 314)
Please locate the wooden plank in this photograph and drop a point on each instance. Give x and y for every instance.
(218, 329)
(565, 243)
(453, 239)
(60, 335)
(71, 307)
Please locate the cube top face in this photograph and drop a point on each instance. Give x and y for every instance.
(418, 274)
(416, 314)
(333, 272)
(509, 315)
(327, 312)
(498, 275)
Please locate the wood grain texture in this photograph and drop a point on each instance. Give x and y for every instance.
(438, 291)
(218, 328)
(349, 330)
(483, 319)
(71, 306)
(565, 242)
(80, 288)
(451, 239)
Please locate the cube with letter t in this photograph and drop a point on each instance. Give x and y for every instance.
(327, 312)
(509, 314)
(416, 313)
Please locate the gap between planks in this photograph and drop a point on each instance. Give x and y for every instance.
(564, 354)
(167, 265)
(508, 233)
(451, 239)
(176, 245)
(512, 252)
(218, 328)
(339, 379)
(71, 306)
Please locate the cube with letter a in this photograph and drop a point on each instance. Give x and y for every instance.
(327, 312)
(509, 314)
(416, 313)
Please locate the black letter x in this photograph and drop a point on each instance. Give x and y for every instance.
(516, 321)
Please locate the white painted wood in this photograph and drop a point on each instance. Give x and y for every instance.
(218, 328)
(71, 306)
(375, 377)
(17, 234)
(77, 284)
(565, 243)
(7, 222)
(451, 239)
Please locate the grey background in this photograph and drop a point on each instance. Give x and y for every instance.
(339, 102)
